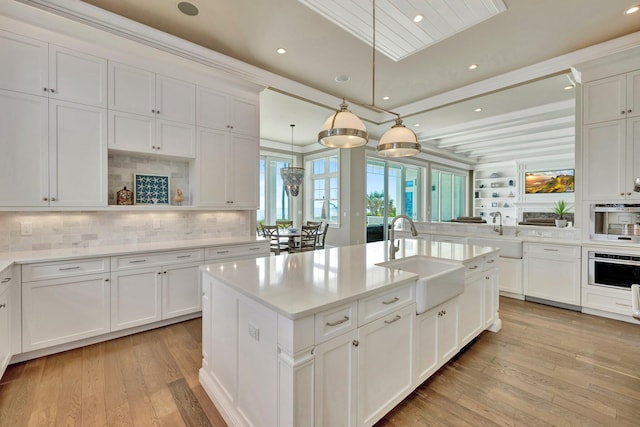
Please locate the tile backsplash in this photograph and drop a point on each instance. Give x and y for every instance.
(58, 230)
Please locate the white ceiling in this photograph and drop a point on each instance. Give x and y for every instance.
(505, 47)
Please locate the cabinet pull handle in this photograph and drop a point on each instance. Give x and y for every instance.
(137, 261)
(222, 252)
(184, 256)
(338, 322)
(473, 268)
(550, 250)
(254, 249)
(395, 319)
(624, 305)
(3, 305)
(6, 280)
(491, 261)
(395, 299)
(69, 268)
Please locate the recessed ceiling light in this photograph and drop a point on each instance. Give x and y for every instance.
(386, 98)
(187, 8)
(342, 78)
(417, 125)
(477, 110)
(281, 50)
(631, 10)
(419, 17)
(473, 66)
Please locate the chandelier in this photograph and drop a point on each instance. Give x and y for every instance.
(292, 176)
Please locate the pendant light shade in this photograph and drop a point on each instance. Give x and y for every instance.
(399, 141)
(292, 176)
(343, 130)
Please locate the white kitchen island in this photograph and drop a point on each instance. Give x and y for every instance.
(330, 338)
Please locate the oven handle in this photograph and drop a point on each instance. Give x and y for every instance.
(635, 301)
(613, 261)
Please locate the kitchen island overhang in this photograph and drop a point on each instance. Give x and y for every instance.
(284, 336)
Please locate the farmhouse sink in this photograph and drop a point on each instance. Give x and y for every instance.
(510, 247)
(437, 282)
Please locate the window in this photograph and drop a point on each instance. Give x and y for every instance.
(392, 189)
(323, 179)
(274, 202)
(448, 194)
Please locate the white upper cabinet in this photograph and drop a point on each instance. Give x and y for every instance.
(138, 91)
(228, 112)
(25, 64)
(56, 72)
(612, 98)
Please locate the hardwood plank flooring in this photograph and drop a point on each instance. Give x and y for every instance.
(546, 367)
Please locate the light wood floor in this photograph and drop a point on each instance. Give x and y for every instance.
(547, 366)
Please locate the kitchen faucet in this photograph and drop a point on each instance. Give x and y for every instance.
(392, 247)
(499, 230)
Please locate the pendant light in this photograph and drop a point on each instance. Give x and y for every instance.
(292, 176)
(343, 130)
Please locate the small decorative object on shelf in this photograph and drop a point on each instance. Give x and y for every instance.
(179, 197)
(124, 196)
(495, 175)
(512, 183)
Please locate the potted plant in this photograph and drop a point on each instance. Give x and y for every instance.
(560, 208)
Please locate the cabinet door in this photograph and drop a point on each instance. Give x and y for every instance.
(212, 109)
(385, 363)
(206, 322)
(77, 77)
(24, 64)
(510, 277)
(426, 359)
(244, 116)
(78, 164)
(211, 168)
(24, 163)
(136, 298)
(490, 298)
(633, 157)
(132, 90)
(605, 99)
(335, 373)
(5, 329)
(243, 163)
(175, 139)
(59, 311)
(448, 331)
(132, 132)
(181, 290)
(471, 320)
(552, 278)
(175, 100)
(603, 150)
(633, 94)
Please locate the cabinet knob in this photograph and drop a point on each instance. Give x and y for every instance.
(629, 111)
(154, 111)
(622, 194)
(3, 305)
(355, 343)
(629, 193)
(45, 89)
(159, 273)
(106, 280)
(157, 111)
(622, 112)
(53, 199)
(46, 199)
(52, 90)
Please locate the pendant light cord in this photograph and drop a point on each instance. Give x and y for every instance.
(373, 59)
(292, 126)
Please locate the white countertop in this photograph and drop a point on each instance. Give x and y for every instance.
(300, 284)
(28, 257)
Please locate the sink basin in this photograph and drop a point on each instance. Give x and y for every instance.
(437, 282)
(509, 247)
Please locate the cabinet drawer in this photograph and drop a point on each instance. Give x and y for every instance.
(52, 270)
(490, 261)
(6, 279)
(612, 300)
(151, 259)
(473, 267)
(374, 307)
(257, 249)
(336, 321)
(552, 250)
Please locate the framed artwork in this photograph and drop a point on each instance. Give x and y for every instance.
(150, 189)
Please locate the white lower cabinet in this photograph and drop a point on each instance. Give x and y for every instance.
(510, 279)
(6, 318)
(154, 286)
(59, 311)
(552, 272)
(490, 299)
(385, 364)
(472, 316)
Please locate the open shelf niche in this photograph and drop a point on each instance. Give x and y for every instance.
(495, 189)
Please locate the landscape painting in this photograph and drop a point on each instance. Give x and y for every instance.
(554, 181)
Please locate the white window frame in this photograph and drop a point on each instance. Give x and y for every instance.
(310, 177)
(465, 196)
(268, 157)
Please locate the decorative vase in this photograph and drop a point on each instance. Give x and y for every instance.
(561, 223)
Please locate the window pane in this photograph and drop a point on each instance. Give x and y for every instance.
(411, 193)
(333, 164)
(318, 167)
(395, 188)
(435, 196)
(447, 195)
(458, 196)
(261, 213)
(375, 192)
(324, 194)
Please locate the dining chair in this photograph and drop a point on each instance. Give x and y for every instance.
(307, 239)
(283, 224)
(321, 237)
(314, 222)
(272, 232)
